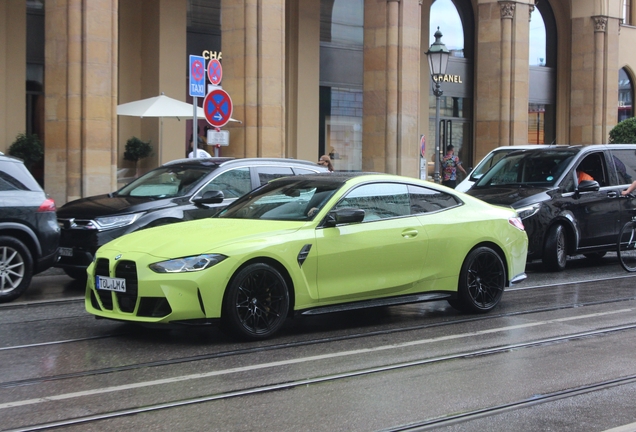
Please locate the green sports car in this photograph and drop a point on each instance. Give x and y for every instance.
(312, 244)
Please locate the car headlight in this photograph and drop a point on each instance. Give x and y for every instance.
(187, 264)
(110, 222)
(526, 212)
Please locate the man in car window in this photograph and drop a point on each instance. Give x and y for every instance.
(582, 175)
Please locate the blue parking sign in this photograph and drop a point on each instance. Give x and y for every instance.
(197, 76)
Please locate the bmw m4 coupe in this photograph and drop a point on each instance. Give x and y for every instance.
(312, 244)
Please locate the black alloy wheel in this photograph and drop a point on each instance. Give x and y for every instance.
(16, 268)
(481, 282)
(256, 302)
(555, 252)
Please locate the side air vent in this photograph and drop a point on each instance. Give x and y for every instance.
(302, 255)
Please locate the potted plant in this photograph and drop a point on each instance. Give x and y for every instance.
(137, 149)
(27, 147)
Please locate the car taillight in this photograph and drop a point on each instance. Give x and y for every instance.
(516, 222)
(47, 206)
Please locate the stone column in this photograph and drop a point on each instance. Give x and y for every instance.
(12, 71)
(391, 87)
(507, 15)
(254, 75)
(600, 24)
(80, 106)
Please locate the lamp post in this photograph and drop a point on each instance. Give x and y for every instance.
(437, 62)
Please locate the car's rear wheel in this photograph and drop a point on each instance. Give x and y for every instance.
(555, 251)
(16, 268)
(256, 302)
(481, 282)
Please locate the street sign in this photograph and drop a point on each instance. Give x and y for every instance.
(217, 107)
(197, 76)
(221, 138)
(215, 72)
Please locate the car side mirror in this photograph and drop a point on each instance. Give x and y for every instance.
(588, 186)
(210, 197)
(344, 216)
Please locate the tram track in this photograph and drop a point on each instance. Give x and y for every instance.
(425, 424)
(269, 347)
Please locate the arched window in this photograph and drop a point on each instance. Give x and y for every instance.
(341, 74)
(444, 15)
(542, 79)
(625, 95)
(455, 20)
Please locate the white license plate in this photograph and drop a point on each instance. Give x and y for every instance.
(110, 284)
(64, 251)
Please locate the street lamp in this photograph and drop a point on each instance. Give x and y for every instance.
(437, 62)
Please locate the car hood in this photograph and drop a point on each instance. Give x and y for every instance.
(201, 236)
(513, 196)
(106, 205)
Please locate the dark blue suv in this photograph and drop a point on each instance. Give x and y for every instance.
(29, 233)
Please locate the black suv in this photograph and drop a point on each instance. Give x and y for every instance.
(565, 212)
(29, 233)
(180, 190)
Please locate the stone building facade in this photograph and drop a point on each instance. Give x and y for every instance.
(307, 77)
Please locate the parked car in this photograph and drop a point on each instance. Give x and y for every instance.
(562, 216)
(177, 191)
(308, 245)
(488, 161)
(29, 234)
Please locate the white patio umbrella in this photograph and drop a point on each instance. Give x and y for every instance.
(159, 106)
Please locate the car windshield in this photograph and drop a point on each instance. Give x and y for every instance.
(166, 182)
(299, 200)
(537, 168)
(487, 163)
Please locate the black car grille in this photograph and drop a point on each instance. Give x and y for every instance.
(101, 269)
(125, 270)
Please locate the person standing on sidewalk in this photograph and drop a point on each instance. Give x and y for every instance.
(450, 164)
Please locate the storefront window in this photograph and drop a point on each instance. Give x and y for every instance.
(542, 62)
(341, 72)
(625, 95)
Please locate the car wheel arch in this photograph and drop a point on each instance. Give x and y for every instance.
(25, 235)
(279, 267)
(497, 249)
(571, 233)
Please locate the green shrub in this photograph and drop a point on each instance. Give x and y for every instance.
(624, 132)
(29, 148)
(137, 149)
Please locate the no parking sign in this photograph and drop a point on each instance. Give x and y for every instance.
(217, 107)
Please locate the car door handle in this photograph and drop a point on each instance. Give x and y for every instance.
(409, 233)
(612, 194)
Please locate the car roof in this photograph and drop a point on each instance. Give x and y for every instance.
(228, 161)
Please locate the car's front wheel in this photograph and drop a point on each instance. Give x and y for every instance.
(256, 302)
(481, 282)
(16, 268)
(555, 251)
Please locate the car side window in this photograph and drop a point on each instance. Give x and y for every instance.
(8, 183)
(425, 200)
(233, 183)
(594, 166)
(378, 200)
(625, 164)
(268, 173)
(303, 171)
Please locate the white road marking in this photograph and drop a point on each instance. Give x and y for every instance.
(182, 378)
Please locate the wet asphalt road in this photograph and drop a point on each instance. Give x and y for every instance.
(559, 353)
